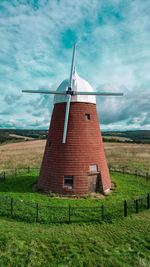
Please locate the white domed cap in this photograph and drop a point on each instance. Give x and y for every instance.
(78, 85)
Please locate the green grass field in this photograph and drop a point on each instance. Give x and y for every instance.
(124, 242)
(127, 187)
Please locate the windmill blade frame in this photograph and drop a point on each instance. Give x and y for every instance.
(69, 94)
(72, 65)
(44, 92)
(66, 118)
(97, 93)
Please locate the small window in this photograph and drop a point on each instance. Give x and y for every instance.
(68, 181)
(87, 116)
(49, 143)
(93, 168)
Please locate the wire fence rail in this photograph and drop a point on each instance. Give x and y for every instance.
(127, 170)
(14, 172)
(36, 212)
(113, 168)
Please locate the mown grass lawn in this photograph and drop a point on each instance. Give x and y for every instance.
(124, 242)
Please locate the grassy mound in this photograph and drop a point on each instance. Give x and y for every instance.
(19, 201)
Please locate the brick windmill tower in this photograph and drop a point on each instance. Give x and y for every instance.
(74, 161)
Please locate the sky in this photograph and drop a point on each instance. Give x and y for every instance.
(113, 54)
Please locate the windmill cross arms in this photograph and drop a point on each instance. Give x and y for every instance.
(71, 92)
(44, 92)
(97, 93)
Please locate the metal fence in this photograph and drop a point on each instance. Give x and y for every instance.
(127, 170)
(35, 212)
(14, 172)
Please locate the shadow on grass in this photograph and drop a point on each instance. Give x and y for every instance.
(19, 184)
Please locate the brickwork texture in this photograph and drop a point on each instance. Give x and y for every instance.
(83, 147)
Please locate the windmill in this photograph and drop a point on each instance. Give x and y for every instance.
(74, 161)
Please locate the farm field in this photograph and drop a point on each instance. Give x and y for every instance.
(20, 155)
(134, 156)
(119, 138)
(20, 136)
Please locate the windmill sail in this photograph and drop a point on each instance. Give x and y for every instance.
(98, 93)
(66, 119)
(69, 96)
(72, 66)
(44, 92)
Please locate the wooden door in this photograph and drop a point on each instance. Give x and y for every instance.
(94, 183)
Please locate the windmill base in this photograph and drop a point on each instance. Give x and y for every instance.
(82, 186)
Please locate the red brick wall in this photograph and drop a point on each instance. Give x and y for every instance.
(83, 148)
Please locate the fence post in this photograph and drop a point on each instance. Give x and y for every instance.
(28, 169)
(135, 172)
(15, 172)
(69, 213)
(125, 208)
(37, 212)
(123, 170)
(148, 200)
(136, 205)
(4, 176)
(11, 207)
(102, 212)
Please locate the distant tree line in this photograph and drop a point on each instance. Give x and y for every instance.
(138, 137)
(134, 135)
(135, 141)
